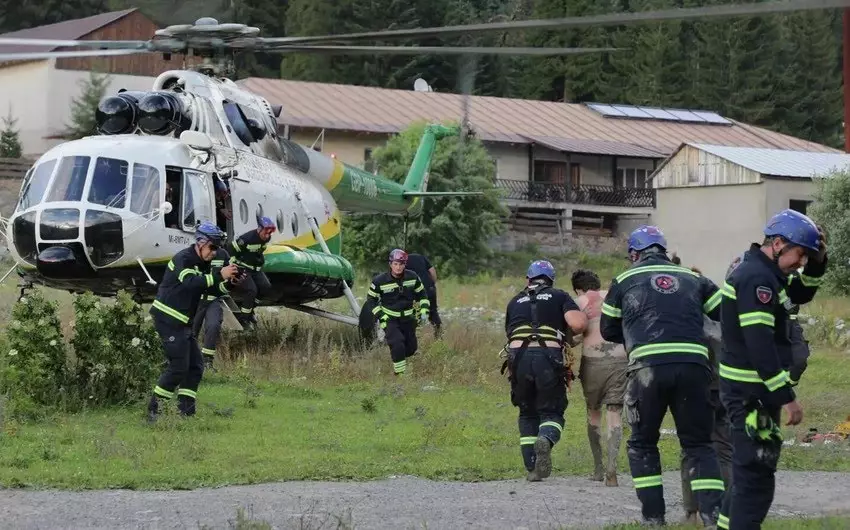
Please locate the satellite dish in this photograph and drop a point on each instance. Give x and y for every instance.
(420, 85)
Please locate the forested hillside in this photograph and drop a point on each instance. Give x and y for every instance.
(782, 72)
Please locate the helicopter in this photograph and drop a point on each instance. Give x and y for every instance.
(106, 213)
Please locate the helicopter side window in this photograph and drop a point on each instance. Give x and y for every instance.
(215, 129)
(70, 179)
(238, 122)
(145, 189)
(35, 187)
(197, 203)
(109, 182)
(173, 194)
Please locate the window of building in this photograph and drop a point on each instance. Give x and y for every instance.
(550, 172)
(633, 178)
(799, 205)
(368, 161)
(575, 175)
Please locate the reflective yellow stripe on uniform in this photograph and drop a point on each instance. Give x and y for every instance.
(170, 312)
(527, 440)
(722, 522)
(707, 484)
(208, 351)
(655, 268)
(186, 392)
(728, 291)
(611, 311)
(668, 347)
(217, 263)
(388, 287)
(751, 376)
(409, 283)
(554, 424)
(810, 281)
(186, 272)
(756, 317)
(713, 302)
(651, 481)
(543, 332)
(161, 392)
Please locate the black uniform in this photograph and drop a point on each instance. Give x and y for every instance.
(248, 254)
(754, 378)
(656, 310)
(538, 388)
(393, 299)
(799, 345)
(420, 265)
(211, 311)
(186, 279)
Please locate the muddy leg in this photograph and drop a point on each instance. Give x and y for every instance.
(615, 435)
(594, 420)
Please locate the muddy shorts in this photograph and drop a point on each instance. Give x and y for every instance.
(603, 380)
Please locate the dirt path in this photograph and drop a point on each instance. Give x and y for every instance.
(396, 503)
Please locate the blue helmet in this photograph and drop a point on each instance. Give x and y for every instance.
(208, 232)
(220, 186)
(645, 237)
(794, 227)
(540, 268)
(265, 222)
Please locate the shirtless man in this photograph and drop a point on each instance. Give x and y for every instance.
(602, 376)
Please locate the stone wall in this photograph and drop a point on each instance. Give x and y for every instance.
(511, 241)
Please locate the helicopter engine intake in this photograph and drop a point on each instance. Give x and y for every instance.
(157, 113)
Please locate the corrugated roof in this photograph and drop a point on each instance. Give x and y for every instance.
(594, 147)
(68, 30)
(779, 163)
(371, 109)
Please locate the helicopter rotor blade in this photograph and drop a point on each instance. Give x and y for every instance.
(77, 53)
(445, 50)
(110, 44)
(611, 19)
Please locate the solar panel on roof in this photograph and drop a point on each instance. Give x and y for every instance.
(659, 114)
(606, 110)
(632, 112)
(711, 117)
(686, 115)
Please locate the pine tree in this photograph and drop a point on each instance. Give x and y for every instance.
(10, 141)
(83, 107)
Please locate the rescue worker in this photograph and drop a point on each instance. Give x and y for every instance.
(211, 312)
(187, 277)
(720, 434)
(539, 320)
(394, 293)
(428, 275)
(248, 255)
(754, 382)
(602, 376)
(655, 309)
(222, 193)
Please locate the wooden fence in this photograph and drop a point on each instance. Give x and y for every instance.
(14, 168)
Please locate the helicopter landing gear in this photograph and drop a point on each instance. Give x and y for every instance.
(317, 233)
(142, 265)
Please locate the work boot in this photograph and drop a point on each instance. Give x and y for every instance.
(709, 520)
(186, 405)
(654, 521)
(691, 518)
(542, 461)
(208, 362)
(153, 409)
(611, 479)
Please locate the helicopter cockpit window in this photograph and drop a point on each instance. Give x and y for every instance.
(215, 131)
(70, 179)
(109, 182)
(197, 201)
(35, 187)
(145, 189)
(238, 121)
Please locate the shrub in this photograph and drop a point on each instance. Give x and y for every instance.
(118, 352)
(832, 210)
(34, 374)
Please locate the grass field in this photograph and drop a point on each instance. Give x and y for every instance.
(298, 401)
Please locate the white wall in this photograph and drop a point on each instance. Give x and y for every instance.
(780, 191)
(709, 226)
(66, 85)
(511, 160)
(24, 88)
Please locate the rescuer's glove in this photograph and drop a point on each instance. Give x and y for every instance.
(760, 427)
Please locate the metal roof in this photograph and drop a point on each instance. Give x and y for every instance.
(68, 30)
(778, 162)
(379, 110)
(594, 147)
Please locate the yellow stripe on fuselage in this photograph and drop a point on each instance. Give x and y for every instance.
(336, 176)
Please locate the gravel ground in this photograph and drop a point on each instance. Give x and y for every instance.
(394, 503)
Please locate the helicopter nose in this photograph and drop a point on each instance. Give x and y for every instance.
(64, 262)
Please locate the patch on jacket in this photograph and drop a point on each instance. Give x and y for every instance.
(764, 294)
(664, 283)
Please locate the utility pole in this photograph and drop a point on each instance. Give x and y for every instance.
(846, 61)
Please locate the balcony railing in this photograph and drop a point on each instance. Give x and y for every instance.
(524, 190)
